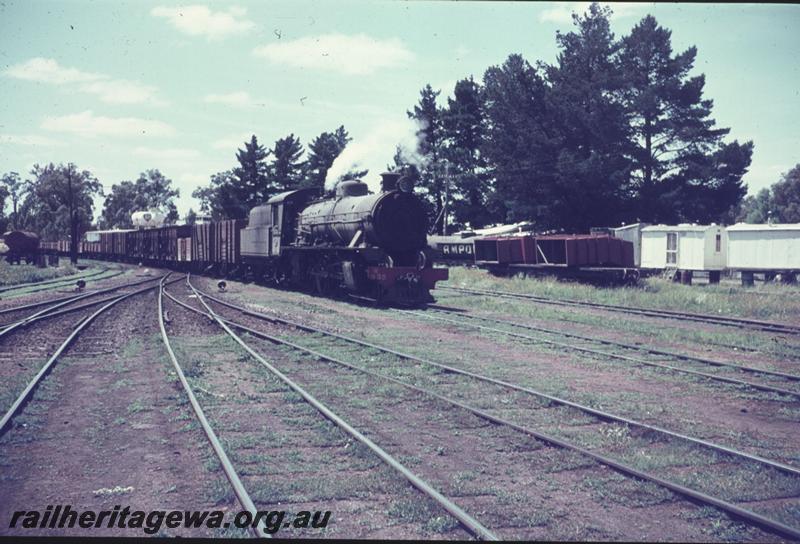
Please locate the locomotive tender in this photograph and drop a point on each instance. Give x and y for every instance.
(368, 245)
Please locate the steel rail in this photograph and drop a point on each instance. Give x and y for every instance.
(65, 283)
(714, 377)
(470, 523)
(654, 351)
(54, 286)
(550, 398)
(23, 398)
(230, 472)
(36, 304)
(768, 326)
(60, 279)
(53, 311)
(726, 506)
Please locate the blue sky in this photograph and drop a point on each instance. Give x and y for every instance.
(120, 87)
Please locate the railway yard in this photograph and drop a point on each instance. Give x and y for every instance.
(507, 409)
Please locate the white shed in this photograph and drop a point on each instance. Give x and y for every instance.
(766, 247)
(632, 233)
(684, 247)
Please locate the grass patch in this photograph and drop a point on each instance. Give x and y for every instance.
(27, 273)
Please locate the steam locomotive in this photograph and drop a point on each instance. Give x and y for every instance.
(369, 245)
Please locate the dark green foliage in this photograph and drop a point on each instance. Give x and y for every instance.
(59, 202)
(677, 147)
(519, 146)
(432, 173)
(12, 187)
(152, 190)
(253, 184)
(220, 198)
(233, 193)
(463, 126)
(779, 203)
(322, 151)
(591, 173)
(615, 130)
(286, 169)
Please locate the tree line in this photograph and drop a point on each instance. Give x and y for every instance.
(615, 130)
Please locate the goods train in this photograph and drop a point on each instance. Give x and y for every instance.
(369, 245)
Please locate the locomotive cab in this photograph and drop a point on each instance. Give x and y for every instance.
(272, 225)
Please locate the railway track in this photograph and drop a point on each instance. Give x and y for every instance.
(24, 397)
(725, 478)
(230, 473)
(61, 306)
(470, 524)
(61, 281)
(767, 326)
(772, 381)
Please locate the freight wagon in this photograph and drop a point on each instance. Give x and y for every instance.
(600, 258)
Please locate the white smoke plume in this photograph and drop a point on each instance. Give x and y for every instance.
(376, 150)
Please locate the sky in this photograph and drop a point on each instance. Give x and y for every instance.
(121, 87)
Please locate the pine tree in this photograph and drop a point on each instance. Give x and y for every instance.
(520, 145)
(322, 151)
(674, 137)
(463, 124)
(592, 169)
(253, 186)
(433, 173)
(286, 169)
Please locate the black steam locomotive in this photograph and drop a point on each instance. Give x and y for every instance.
(371, 245)
(367, 245)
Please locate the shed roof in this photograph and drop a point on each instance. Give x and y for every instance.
(742, 227)
(632, 226)
(681, 228)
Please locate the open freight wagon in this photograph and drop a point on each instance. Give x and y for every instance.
(600, 258)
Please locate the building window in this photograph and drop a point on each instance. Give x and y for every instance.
(672, 248)
(719, 243)
(275, 222)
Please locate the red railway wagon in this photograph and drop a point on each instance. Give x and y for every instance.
(202, 243)
(168, 241)
(226, 237)
(592, 257)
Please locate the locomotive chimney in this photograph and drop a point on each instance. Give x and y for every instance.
(389, 181)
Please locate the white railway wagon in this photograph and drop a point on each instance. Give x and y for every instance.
(685, 248)
(632, 233)
(769, 248)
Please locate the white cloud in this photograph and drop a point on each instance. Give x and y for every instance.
(238, 98)
(28, 140)
(197, 20)
(233, 142)
(351, 55)
(114, 91)
(120, 91)
(166, 154)
(88, 124)
(48, 71)
(561, 12)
